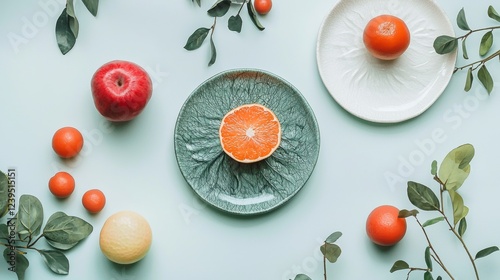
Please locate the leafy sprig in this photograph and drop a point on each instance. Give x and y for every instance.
(235, 22)
(67, 26)
(446, 44)
(24, 230)
(330, 251)
(452, 173)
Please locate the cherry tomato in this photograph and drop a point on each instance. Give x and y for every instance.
(263, 6)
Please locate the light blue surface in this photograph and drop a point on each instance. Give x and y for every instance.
(361, 165)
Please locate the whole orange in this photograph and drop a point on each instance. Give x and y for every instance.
(62, 184)
(384, 227)
(67, 142)
(94, 200)
(386, 37)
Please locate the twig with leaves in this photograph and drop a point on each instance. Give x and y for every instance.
(235, 23)
(330, 251)
(67, 26)
(22, 232)
(453, 171)
(446, 44)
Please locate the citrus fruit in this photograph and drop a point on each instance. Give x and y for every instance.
(263, 6)
(62, 184)
(250, 133)
(386, 37)
(384, 227)
(94, 200)
(125, 237)
(67, 142)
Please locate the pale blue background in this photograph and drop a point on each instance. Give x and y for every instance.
(134, 164)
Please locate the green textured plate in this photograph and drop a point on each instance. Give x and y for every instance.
(245, 188)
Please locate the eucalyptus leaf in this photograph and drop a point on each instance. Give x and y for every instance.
(455, 167)
(459, 209)
(486, 43)
(253, 15)
(234, 23)
(428, 259)
(493, 14)
(21, 263)
(422, 197)
(29, 216)
(464, 49)
(403, 213)
(468, 80)
(61, 246)
(462, 21)
(439, 278)
(65, 37)
(302, 277)
(331, 252)
(220, 8)
(4, 194)
(333, 237)
(462, 227)
(399, 265)
(213, 52)
(92, 6)
(67, 230)
(428, 276)
(445, 44)
(432, 221)
(485, 78)
(74, 26)
(485, 252)
(196, 39)
(434, 168)
(56, 261)
(4, 231)
(198, 2)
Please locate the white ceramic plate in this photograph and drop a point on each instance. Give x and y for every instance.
(376, 90)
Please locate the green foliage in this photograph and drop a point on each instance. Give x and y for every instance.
(450, 176)
(4, 194)
(61, 232)
(235, 23)
(445, 44)
(67, 26)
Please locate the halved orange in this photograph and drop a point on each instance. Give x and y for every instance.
(250, 133)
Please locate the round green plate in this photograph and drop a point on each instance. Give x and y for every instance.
(245, 188)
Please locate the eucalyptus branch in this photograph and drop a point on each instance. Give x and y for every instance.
(476, 64)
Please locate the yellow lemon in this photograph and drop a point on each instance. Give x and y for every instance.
(125, 237)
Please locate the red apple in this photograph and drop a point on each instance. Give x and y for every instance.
(121, 89)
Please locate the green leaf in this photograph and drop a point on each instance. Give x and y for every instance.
(455, 167)
(428, 276)
(234, 23)
(302, 277)
(403, 213)
(220, 8)
(399, 265)
(67, 229)
(253, 15)
(432, 221)
(92, 6)
(422, 197)
(196, 39)
(462, 21)
(428, 259)
(333, 237)
(213, 52)
(485, 252)
(493, 14)
(485, 78)
(462, 227)
(486, 43)
(469, 80)
(464, 49)
(60, 246)
(65, 37)
(445, 44)
(4, 194)
(21, 263)
(198, 2)
(72, 20)
(29, 216)
(459, 209)
(56, 261)
(4, 231)
(434, 168)
(331, 252)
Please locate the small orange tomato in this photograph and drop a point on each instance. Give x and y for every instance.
(386, 37)
(263, 6)
(94, 200)
(62, 184)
